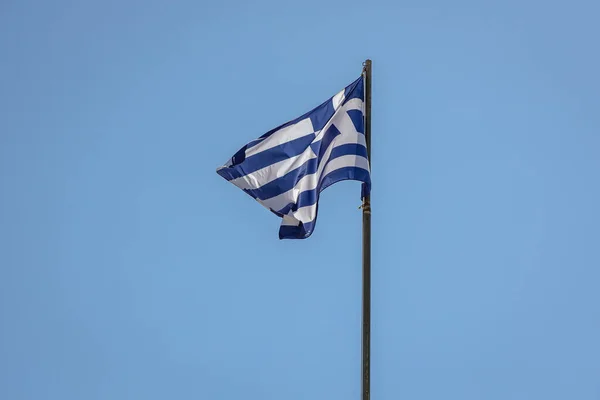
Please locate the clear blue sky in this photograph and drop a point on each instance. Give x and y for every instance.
(130, 270)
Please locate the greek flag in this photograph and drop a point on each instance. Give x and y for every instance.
(286, 169)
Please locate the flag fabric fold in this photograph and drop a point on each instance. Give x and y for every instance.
(287, 168)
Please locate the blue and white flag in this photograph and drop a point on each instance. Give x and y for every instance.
(286, 168)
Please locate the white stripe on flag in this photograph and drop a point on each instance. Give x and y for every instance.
(284, 135)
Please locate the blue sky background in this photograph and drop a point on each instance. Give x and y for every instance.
(130, 270)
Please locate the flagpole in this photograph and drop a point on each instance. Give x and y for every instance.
(366, 253)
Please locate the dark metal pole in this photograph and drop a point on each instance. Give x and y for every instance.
(366, 207)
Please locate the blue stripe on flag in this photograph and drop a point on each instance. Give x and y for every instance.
(331, 133)
(296, 232)
(284, 183)
(357, 119)
(346, 173)
(347, 149)
(271, 156)
(355, 90)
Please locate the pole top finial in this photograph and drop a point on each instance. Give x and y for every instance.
(366, 64)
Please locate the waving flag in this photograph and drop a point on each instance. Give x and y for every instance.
(286, 169)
